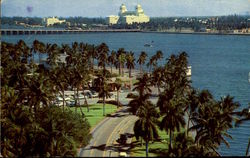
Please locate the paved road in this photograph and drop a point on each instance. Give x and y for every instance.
(103, 143)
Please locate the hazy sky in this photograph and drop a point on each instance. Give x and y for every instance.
(103, 8)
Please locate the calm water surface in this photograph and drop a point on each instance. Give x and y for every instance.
(220, 63)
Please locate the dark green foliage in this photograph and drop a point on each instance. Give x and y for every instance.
(48, 132)
(30, 123)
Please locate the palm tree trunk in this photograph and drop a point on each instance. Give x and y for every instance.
(122, 70)
(118, 98)
(170, 140)
(140, 69)
(103, 99)
(86, 101)
(63, 99)
(79, 101)
(111, 69)
(75, 100)
(120, 67)
(129, 72)
(146, 148)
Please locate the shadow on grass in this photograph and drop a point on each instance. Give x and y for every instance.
(95, 108)
(141, 149)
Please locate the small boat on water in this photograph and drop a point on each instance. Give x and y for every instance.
(148, 45)
(189, 71)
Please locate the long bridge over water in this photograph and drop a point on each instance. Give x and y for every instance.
(43, 32)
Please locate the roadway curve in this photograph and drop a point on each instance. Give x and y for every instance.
(105, 134)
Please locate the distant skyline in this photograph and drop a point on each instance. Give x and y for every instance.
(104, 8)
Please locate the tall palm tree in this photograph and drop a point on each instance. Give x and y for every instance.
(142, 86)
(120, 60)
(212, 120)
(130, 62)
(173, 114)
(35, 48)
(157, 78)
(145, 127)
(103, 59)
(141, 60)
(53, 54)
(151, 62)
(112, 59)
(159, 55)
(118, 85)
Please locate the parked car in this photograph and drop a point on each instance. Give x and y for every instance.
(80, 96)
(90, 94)
(70, 103)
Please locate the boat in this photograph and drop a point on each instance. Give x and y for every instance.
(148, 45)
(189, 71)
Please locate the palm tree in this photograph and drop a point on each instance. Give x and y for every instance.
(35, 47)
(59, 76)
(212, 120)
(142, 86)
(26, 53)
(112, 59)
(145, 126)
(53, 54)
(120, 58)
(141, 60)
(103, 90)
(157, 78)
(152, 62)
(154, 59)
(118, 86)
(130, 62)
(103, 59)
(159, 55)
(173, 114)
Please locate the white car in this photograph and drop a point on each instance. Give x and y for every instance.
(123, 154)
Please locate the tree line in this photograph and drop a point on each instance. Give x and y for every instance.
(31, 124)
(229, 22)
(181, 106)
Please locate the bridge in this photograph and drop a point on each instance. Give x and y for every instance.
(43, 32)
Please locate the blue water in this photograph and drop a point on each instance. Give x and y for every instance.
(220, 63)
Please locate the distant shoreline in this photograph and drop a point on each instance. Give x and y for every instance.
(198, 33)
(43, 31)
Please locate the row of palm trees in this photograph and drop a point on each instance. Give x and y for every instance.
(31, 124)
(180, 106)
(35, 86)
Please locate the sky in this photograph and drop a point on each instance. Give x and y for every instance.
(104, 8)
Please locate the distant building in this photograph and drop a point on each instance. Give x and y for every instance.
(53, 20)
(128, 17)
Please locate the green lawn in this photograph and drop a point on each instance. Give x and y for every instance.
(95, 114)
(155, 148)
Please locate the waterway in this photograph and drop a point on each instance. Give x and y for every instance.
(220, 63)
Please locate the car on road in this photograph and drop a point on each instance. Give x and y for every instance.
(90, 94)
(70, 103)
(123, 154)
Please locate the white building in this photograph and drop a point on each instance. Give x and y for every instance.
(128, 17)
(53, 20)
